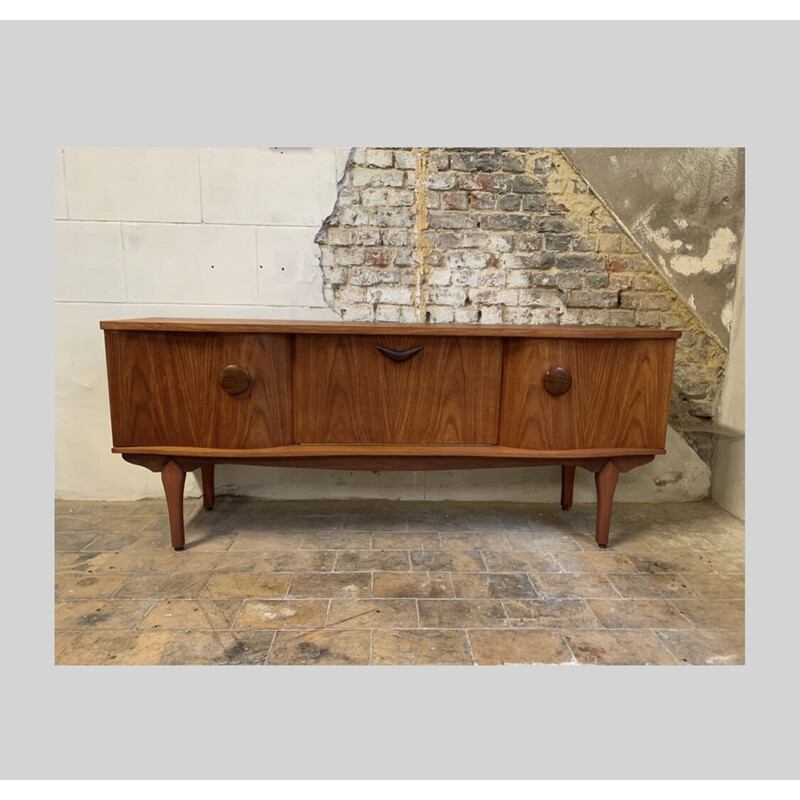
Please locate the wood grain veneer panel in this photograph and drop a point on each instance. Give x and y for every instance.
(164, 389)
(347, 392)
(619, 396)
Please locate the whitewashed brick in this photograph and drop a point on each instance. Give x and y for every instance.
(358, 314)
(440, 314)
(289, 272)
(466, 315)
(59, 191)
(137, 185)
(268, 186)
(491, 315)
(399, 296)
(409, 314)
(198, 264)
(88, 261)
(378, 158)
(387, 313)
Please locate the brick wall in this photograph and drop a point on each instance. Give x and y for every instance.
(502, 236)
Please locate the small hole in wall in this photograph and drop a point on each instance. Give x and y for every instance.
(480, 314)
(427, 316)
(212, 266)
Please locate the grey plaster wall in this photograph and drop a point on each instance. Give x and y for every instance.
(685, 209)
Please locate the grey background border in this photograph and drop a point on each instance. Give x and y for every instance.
(397, 83)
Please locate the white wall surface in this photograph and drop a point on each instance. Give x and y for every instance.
(230, 233)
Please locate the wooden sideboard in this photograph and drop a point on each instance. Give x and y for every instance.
(191, 393)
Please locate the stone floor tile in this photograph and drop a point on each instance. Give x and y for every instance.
(205, 561)
(717, 585)
(492, 647)
(406, 541)
(598, 561)
(218, 647)
(81, 585)
(78, 615)
(281, 614)
(436, 522)
(338, 540)
(447, 561)
(297, 561)
(389, 520)
(330, 584)
(262, 585)
(373, 613)
(493, 584)
(675, 570)
(74, 523)
(715, 614)
(542, 541)
(412, 584)
(627, 614)
(85, 561)
(550, 614)
(670, 584)
(173, 586)
(462, 613)
(370, 560)
(191, 615)
(416, 647)
(347, 647)
(687, 562)
(618, 647)
(572, 585)
(705, 646)
(295, 523)
(129, 561)
(521, 561)
(128, 541)
(74, 541)
(62, 641)
(107, 648)
(471, 540)
(123, 522)
(266, 540)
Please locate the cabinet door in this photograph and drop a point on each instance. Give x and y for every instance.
(165, 389)
(618, 398)
(348, 392)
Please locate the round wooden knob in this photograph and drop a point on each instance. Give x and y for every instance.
(234, 379)
(557, 380)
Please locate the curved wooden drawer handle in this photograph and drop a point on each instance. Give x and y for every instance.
(399, 355)
(234, 379)
(557, 380)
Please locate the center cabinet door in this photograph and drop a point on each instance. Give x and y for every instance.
(347, 391)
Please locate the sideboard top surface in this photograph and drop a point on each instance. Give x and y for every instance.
(190, 325)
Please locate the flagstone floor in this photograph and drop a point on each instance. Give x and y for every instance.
(397, 583)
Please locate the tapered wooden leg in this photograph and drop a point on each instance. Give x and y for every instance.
(567, 485)
(606, 482)
(173, 477)
(207, 471)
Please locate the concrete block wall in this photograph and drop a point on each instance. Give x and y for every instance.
(231, 233)
(172, 232)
